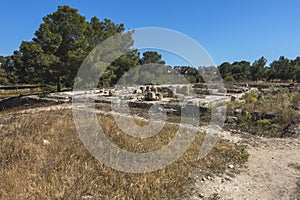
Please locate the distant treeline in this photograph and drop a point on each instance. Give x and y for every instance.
(65, 39)
(281, 70)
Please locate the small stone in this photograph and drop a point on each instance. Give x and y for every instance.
(45, 142)
(230, 166)
(237, 111)
(87, 197)
(203, 179)
(201, 196)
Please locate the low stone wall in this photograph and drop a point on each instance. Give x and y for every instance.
(19, 101)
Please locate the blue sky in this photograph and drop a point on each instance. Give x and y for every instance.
(229, 30)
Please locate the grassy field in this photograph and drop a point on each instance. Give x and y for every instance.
(42, 157)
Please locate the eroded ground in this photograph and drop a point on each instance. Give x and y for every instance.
(272, 172)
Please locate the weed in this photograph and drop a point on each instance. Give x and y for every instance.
(264, 124)
(214, 196)
(296, 100)
(250, 97)
(43, 95)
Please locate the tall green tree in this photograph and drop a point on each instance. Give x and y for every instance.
(60, 45)
(123, 64)
(29, 67)
(8, 69)
(281, 69)
(150, 57)
(241, 71)
(225, 69)
(258, 69)
(296, 69)
(100, 31)
(63, 36)
(3, 79)
(190, 73)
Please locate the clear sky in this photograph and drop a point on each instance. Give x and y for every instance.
(229, 30)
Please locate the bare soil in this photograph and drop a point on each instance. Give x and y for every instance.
(272, 172)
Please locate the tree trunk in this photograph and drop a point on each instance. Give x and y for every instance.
(58, 87)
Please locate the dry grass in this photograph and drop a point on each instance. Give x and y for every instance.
(64, 169)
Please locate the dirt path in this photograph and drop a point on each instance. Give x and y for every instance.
(272, 172)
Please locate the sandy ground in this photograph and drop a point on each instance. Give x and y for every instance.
(270, 172)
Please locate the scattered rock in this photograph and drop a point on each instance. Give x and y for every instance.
(46, 142)
(232, 98)
(87, 197)
(292, 129)
(238, 111)
(270, 116)
(231, 166)
(231, 120)
(256, 115)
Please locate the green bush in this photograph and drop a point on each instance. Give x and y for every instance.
(264, 124)
(3, 81)
(249, 97)
(43, 95)
(229, 79)
(242, 119)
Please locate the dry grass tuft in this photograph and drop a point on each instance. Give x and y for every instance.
(31, 168)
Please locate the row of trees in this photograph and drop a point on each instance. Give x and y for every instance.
(282, 69)
(65, 38)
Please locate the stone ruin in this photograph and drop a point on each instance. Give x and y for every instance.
(158, 92)
(150, 93)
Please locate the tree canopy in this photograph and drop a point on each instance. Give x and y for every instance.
(59, 47)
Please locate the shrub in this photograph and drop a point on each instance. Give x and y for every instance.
(250, 97)
(296, 100)
(242, 119)
(229, 79)
(43, 95)
(3, 81)
(264, 124)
